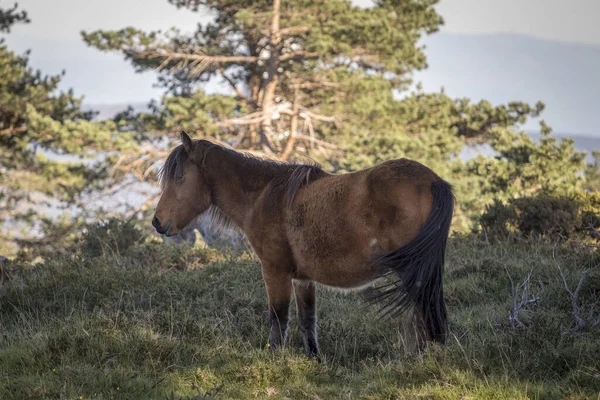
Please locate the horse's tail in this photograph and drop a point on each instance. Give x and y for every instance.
(417, 267)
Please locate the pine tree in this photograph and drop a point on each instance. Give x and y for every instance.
(38, 127)
(322, 78)
(11, 16)
(284, 62)
(592, 173)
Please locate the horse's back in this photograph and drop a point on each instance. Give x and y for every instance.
(338, 223)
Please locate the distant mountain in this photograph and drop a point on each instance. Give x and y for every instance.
(499, 68)
(505, 67)
(109, 111)
(581, 143)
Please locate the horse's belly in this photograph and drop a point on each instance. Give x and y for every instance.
(349, 270)
(334, 235)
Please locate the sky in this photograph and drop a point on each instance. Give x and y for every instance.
(573, 21)
(497, 50)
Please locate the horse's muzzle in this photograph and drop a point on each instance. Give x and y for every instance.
(162, 230)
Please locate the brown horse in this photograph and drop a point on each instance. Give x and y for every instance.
(308, 226)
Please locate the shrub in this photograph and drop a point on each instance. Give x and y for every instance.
(589, 204)
(547, 216)
(112, 236)
(498, 218)
(544, 216)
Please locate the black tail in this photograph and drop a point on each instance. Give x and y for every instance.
(417, 268)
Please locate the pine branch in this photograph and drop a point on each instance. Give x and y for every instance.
(313, 85)
(237, 90)
(318, 142)
(197, 62)
(249, 119)
(319, 117)
(294, 30)
(298, 54)
(9, 17)
(291, 31)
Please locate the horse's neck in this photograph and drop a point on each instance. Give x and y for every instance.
(235, 183)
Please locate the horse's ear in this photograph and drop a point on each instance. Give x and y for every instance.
(188, 145)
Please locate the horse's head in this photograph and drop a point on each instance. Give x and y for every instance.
(185, 193)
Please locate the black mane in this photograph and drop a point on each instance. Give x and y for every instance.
(173, 168)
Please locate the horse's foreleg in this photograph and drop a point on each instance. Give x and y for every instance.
(279, 291)
(306, 305)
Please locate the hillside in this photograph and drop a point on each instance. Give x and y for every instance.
(505, 67)
(117, 319)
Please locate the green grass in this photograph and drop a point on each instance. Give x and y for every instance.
(153, 321)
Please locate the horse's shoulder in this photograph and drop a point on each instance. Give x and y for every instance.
(302, 175)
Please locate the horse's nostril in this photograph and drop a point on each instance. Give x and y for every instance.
(155, 223)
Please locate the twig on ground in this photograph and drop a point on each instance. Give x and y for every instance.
(520, 299)
(580, 322)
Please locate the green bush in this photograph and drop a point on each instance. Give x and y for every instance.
(111, 236)
(498, 218)
(556, 217)
(544, 216)
(590, 220)
(589, 205)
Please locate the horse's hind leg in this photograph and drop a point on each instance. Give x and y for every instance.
(279, 291)
(306, 305)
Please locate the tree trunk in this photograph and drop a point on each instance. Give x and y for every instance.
(271, 81)
(254, 83)
(289, 145)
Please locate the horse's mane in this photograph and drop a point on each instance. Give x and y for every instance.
(220, 222)
(301, 174)
(172, 169)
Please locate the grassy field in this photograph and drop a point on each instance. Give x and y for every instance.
(110, 319)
